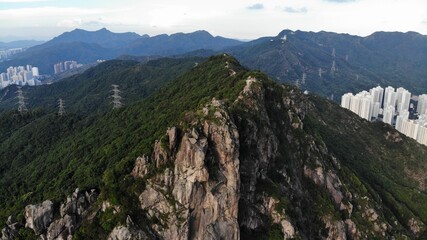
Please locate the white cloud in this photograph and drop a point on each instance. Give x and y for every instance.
(46, 12)
(256, 6)
(224, 17)
(295, 10)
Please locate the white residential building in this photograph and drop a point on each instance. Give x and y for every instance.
(389, 97)
(422, 104)
(365, 107)
(410, 128)
(422, 135)
(355, 104)
(345, 100)
(388, 114)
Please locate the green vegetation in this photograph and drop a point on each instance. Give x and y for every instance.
(90, 92)
(43, 156)
(386, 169)
(98, 151)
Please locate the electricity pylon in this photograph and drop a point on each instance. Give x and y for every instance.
(117, 99)
(22, 108)
(304, 77)
(333, 68)
(61, 107)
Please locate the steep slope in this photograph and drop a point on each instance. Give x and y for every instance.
(90, 91)
(361, 62)
(242, 158)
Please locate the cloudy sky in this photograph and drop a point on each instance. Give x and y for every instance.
(241, 19)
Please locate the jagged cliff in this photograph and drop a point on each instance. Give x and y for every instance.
(255, 165)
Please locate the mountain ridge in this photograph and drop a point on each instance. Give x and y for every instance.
(87, 46)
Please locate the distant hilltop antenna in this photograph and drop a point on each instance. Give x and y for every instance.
(22, 108)
(285, 38)
(61, 108)
(117, 99)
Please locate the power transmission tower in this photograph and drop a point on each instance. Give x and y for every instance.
(61, 108)
(304, 77)
(117, 99)
(320, 72)
(22, 108)
(298, 83)
(334, 67)
(333, 52)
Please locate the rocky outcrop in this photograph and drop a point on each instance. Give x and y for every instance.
(128, 232)
(11, 229)
(38, 217)
(198, 198)
(71, 214)
(336, 229)
(270, 205)
(141, 167)
(49, 223)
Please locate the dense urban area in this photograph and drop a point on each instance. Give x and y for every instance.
(395, 107)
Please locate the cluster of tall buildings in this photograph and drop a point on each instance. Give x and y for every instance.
(65, 66)
(391, 106)
(21, 75)
(6, 53)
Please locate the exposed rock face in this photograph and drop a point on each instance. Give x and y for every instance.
(128, 232)
(72, 211)
(141, 167)
(231, 177)
(415, 226)
(200, 195)
(11, 230)
(270, 205)
(336, 229)
(38, 217)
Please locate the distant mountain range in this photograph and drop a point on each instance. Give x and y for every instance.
(88, 46)
(102, 37)
(385, 58)
(20, 44)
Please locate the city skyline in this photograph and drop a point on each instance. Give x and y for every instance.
(44, 19)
